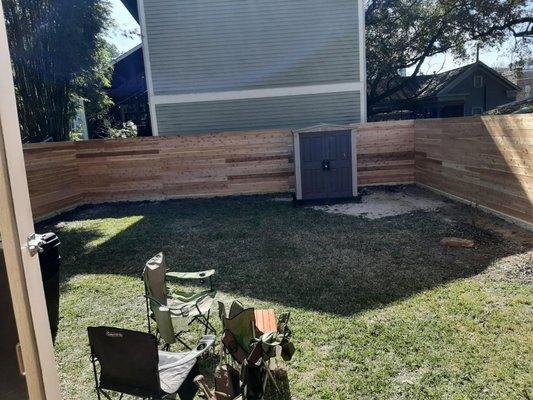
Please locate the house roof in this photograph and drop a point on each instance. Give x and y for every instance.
(427, 86)
(127, 53)
(131, 6)
(128, 75)
(516, 107)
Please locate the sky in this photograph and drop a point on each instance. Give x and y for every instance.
(440, 63)
(124, 22)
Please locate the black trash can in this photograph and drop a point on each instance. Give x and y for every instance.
(49, 259)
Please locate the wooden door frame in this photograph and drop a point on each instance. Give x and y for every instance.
(16, 224)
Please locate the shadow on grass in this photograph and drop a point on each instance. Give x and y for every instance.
(272, 252)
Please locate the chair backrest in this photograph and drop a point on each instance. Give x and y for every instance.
(128, 360)
(241, 324)
(168, 325)
(154, 276)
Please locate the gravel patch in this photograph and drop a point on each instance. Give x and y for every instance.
(381, 204)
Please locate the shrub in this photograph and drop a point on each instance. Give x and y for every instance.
(128, 130)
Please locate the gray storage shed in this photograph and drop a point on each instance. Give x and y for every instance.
(325, 162)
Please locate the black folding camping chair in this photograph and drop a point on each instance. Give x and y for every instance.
(129, 362)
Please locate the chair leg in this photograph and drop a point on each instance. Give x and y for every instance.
(148, 316)
(96, 384)
(108, 397)
(182, 342)
(205, 322)
(269, 375)
(206, 325)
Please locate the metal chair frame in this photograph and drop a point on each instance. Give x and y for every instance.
(203, 320)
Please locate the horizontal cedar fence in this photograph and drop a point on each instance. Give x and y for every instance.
(486, 160)
(65, 175)
(53, 179)
(385, 153)
(186, 166)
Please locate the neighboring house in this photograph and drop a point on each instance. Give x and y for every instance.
(521, 74)
(525, 81)
(128, 91)
(252, 64)
(465, 91)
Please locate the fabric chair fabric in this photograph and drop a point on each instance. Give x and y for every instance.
(130, 363)
(251, 349)
(173, 314)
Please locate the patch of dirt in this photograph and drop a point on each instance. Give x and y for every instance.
(504, 229)
(381, 203)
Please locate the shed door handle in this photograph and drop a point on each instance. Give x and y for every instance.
(325, 165)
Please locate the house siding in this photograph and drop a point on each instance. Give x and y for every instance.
(494, 92)
(273, 112)
(222, 45)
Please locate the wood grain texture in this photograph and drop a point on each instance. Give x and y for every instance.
(64, 175)
(385, 153)
(486, 160)
(53, 179)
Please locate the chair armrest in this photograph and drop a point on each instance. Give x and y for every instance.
(205, 342)
(192, 275)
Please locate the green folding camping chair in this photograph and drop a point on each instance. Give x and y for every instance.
(251, 350)
(173, 312)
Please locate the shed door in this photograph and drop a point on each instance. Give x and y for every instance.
(326, 165)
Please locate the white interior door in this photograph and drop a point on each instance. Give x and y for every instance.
(36, 355)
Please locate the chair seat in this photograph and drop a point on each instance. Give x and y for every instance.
(174, 367)
(204, 305)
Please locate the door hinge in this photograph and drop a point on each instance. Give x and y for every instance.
(35, 243)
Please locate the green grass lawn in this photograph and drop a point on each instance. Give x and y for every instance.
(379, 309)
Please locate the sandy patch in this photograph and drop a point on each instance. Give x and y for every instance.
(384, 204)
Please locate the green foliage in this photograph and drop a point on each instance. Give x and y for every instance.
(404, 33)
(58, 54)
(91, 85)
(74, 136)
(128, 130)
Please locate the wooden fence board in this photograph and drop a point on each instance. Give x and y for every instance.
(62, 175)
(486, 160)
